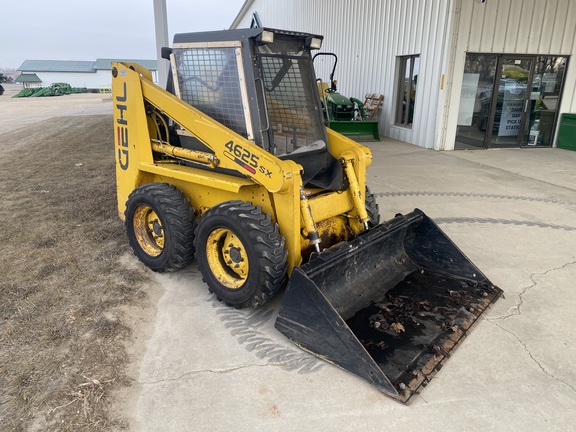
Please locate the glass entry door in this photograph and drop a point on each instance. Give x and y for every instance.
(509, 100)
(509, 105)
(543, 101)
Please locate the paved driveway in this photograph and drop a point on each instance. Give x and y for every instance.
(512, 212)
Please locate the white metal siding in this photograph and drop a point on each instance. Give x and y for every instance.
(91, 80)
(519, 26)
(513, 27)
(88, 79)
(367, 36)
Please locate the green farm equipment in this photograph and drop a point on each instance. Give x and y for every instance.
(347, 116)
(55, 89)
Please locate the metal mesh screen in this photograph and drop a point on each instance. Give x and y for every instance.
(291, 109)
(208, 79)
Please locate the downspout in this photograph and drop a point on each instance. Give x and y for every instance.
(449, 46)
(161, 28)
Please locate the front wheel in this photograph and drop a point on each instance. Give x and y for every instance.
(241, 254)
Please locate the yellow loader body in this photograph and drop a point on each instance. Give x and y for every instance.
(233, 165)
(271, 183)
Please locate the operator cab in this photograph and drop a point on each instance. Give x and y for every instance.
(260, 83)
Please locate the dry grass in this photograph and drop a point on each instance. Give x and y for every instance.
(62, 282)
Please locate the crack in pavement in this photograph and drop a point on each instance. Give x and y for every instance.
(549, 374)
(516, 310)
(216, 371)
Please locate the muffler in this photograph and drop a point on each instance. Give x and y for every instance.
(389, 306)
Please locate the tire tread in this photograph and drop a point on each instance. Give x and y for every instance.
(178, 218)
(268, 244)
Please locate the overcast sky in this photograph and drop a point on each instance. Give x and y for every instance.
(87, 30)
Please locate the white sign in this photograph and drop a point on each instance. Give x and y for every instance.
(549, 81)
(467, 99)
(511, 117)
(512, 107)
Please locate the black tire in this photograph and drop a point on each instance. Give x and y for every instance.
(241, 254)
(160, 227)
(372, 208)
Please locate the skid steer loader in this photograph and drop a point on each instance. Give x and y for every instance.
(233, 164)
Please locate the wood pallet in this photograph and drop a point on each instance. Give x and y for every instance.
(371, 104)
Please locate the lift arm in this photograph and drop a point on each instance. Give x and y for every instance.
(231, 150)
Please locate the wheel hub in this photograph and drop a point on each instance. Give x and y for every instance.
(148, 230)
(227, 258)
(157, 228)
(235, 255)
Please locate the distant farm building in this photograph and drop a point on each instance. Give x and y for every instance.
(29, 80)
(88, 74)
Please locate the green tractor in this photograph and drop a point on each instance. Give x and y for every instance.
(347, 116)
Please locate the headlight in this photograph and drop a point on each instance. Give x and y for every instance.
(313, 42)
(316, 43)
(267, 36)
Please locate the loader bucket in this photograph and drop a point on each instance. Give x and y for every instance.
(390, 305)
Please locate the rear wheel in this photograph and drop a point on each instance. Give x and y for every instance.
(241, 254)
(372, 208)
(159, 225)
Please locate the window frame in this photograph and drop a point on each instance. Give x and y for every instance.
(239, 78)
(402, 80)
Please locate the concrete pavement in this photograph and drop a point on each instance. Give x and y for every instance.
(512, 212)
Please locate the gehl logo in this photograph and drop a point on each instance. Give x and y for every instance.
(122, 131)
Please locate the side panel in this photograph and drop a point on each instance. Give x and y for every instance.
(130, 129)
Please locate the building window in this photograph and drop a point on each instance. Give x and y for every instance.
(407, 85)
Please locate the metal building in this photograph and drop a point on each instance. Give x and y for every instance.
(88, 74)
(438, 64)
